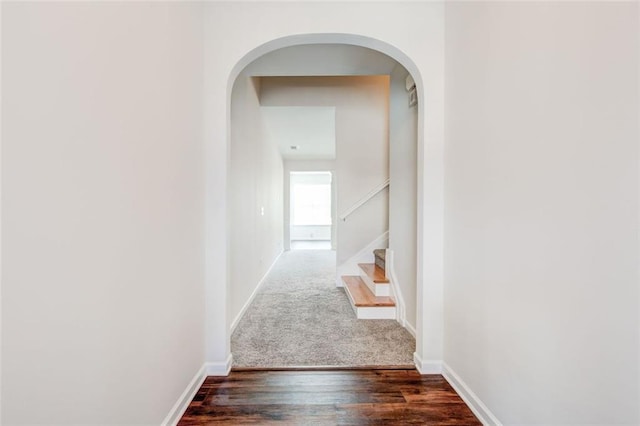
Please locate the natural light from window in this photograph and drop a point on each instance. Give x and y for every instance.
(312, 204)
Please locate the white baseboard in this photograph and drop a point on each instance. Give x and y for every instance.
(238, 317)
(185, 399)
(219, 368)
(427, 367)
(470, 398)
(395, 288)
(409, 328)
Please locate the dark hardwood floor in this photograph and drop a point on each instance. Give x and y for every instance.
(330, 397)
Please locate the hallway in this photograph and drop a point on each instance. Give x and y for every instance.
(300, 318)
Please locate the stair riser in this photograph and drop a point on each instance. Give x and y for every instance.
(376, 312)
(376, 288)
(381, 290)
(380, 256)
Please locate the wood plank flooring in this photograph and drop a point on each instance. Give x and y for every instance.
(328, 397)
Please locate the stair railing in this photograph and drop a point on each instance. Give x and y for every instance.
(364, 199)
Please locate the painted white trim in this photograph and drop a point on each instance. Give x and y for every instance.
(350, 266)
(185, 399)
(364, 199)
(389, 265)
(427, 366)
(238, 317)
(219, 369)
(476, 405)
(409, 328)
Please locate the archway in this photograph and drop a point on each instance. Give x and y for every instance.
(434, 331)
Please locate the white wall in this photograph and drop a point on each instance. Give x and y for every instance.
(541, 212)
(403, 129)
(102, 210)
(362, 145)
(255, 196)
(1, 221)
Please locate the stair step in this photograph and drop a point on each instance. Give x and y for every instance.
(374, 272)
(380, 258)
(360, 294)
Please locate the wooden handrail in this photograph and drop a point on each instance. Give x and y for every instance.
(364, 199)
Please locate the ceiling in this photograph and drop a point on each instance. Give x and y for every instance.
(311, 129)
(321, 60)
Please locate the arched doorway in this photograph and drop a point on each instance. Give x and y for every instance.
(430, 336)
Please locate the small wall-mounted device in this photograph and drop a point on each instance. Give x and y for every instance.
(410, 84)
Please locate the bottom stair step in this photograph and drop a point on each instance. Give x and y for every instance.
(362, 296)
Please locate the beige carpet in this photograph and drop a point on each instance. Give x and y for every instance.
(300, 318)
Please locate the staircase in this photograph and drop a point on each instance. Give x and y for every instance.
(370, 292)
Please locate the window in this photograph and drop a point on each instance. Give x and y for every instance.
(312, 204)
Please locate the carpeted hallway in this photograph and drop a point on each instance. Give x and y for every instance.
(300, 318)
